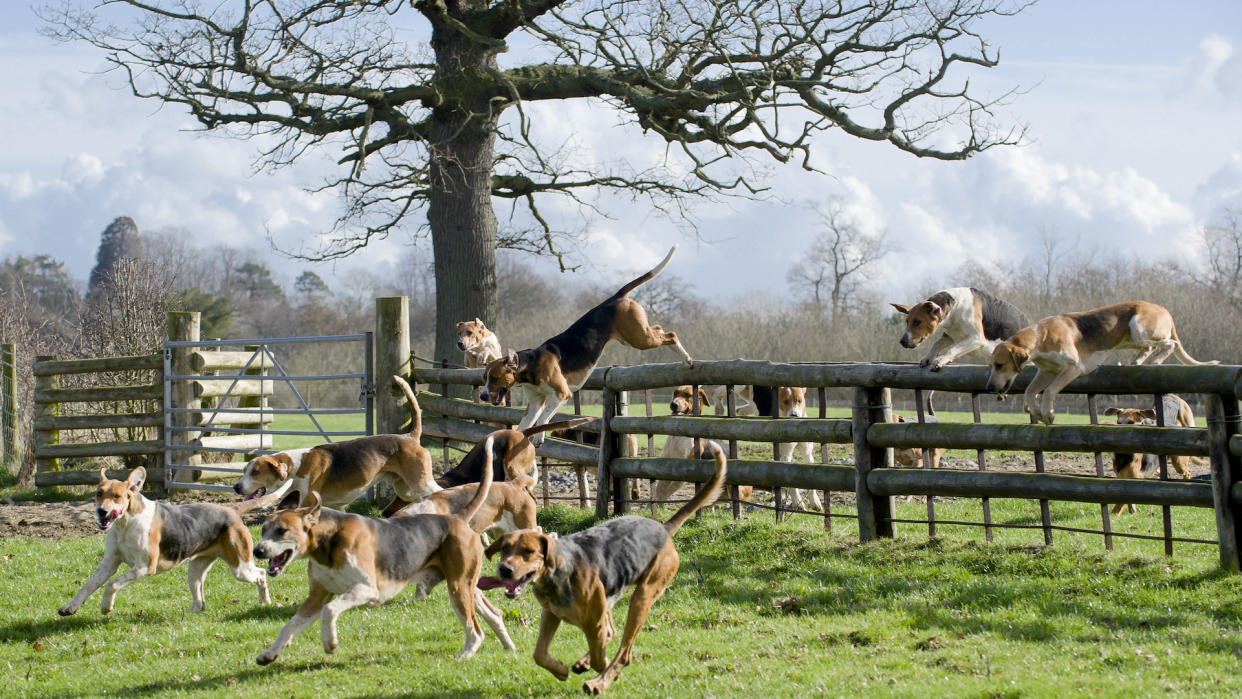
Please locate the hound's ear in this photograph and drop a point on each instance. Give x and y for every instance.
(1112, 410)
(460, 323)
(550, 561)
(136, 478)
(704, 402)
(493, 548)
(478, 322)
(898, 418)
(904, 310)
(511, 360)
(1021, 356)
(937, 311)
(290, 500)
(1149, 414)
(310, 513)
(284, 464)
(103, 475)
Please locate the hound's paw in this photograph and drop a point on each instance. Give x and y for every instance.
(266, 657)
(924, 362)
(937, 364)
(330, 647)
(594, 686)
(1047, 418)
(689, 361)
(196, 608)
(67, 610)
(581, 666)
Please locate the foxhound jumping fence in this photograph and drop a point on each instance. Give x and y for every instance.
(873, 435)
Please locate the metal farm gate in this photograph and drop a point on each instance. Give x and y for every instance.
(224, 398)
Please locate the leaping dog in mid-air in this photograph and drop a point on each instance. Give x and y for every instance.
(1066, 346)
(561, 365)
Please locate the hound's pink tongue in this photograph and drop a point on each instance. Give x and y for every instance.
(512, 587)
(257, 494)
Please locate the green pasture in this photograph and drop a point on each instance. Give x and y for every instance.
(759, 608)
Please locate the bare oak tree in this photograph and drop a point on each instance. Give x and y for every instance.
(838, 261)
(426, 120)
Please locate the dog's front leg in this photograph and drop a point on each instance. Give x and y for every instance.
(937, 343)
(307, 612)
(953, 352)
(493, 618)
(1030, 397)
(356, 596)
(117, 584)
(534, 407)
(548, 623)
(1050, 393)
(111, 561)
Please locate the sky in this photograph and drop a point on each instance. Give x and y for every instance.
(1134, 143)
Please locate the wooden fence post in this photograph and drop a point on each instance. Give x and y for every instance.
(10, 450)
(43, 438)
(183, 326)
(875, 512)
(607, 450)
(1222, 424)
(392, 356)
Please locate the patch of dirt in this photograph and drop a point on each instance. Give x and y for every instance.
(48, 520)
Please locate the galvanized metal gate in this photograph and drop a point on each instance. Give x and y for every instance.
(219, 400)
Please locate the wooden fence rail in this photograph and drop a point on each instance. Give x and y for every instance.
(49, 420)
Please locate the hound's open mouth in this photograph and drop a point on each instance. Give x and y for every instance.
(513, 588)
(107, 519)
(257, 494)
(276, 566)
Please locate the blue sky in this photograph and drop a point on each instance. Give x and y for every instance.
(1133, 111)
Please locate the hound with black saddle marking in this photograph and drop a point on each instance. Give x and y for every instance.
(561, 365)
(766, 401)
(342, 471)
(580, 577)
(356, 561)
(152, 537)
(1064, 347)
(509, 505)
(958, 322)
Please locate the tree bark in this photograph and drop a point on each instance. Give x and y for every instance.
(459, 213)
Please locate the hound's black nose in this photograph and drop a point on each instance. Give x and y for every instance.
(237, 488)
(485, 397)
(461, 346)
(504, 571)
(257, 553)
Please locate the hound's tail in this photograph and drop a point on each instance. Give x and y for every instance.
(416, 415)
(1183, 356)
(646, 277)
(705, 495)
(562, 425)
(480, 495)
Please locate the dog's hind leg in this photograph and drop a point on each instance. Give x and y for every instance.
(609, 633)
(240, 558)
(307, 612)
(661, 573)
(195, 572)
(493, 618)
(461, 595)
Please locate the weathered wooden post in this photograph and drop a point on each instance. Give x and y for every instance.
(183, 326)
(608, 448)
(10, 450)
(1222, 425)
(875, 512)
(45, 407)
(392, 356)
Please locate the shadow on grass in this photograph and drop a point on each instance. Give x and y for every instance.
(31, 631)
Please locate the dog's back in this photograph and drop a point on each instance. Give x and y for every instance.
(403, 544)
(620, 549)
(188, 529)
(1000, 319)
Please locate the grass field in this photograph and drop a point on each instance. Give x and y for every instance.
(758, 608)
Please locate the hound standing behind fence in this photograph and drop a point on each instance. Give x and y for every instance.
(480, 345)
(787, 401)
(677, 447)
(152, 537)
(1177, 413)
(1066, 346)
(561, 365)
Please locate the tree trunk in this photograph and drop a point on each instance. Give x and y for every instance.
(463, 223)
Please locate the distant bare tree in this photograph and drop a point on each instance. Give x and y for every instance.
(839, 260)
(1223, 246)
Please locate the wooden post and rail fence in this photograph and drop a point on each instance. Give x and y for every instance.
(873, 435)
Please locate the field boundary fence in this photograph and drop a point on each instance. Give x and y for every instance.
(872, 434)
